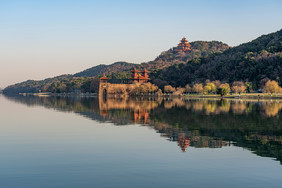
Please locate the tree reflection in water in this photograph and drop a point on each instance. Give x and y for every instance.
(252, 124)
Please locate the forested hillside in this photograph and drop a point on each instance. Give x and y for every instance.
(165, 59)
(32, 86)
(249, 62)
(198, 49)
(118, 70)
(252, 62)
(106, 69)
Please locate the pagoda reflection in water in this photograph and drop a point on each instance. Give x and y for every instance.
(139, 111)
(199, 123)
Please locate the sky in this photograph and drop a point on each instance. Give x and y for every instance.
(47, 38)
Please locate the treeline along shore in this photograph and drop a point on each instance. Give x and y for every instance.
(209, 89)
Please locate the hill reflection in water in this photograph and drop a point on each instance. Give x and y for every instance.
(251, 124)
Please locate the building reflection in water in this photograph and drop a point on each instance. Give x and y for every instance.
(200, 123)
(183, 142)
(139, 110)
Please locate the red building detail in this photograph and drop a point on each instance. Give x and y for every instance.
(104, 79)
(139, 115)
(183, 46)
(183, 142)
(139, 76)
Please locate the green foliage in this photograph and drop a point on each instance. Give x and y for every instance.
(32, 86)
(117, 67)
(250, 128)
(56, 85)
(223, 89)
(249, 62)
(249, 86)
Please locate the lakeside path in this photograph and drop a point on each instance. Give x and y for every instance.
(236, 96)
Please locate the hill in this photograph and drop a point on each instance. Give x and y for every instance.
(32, 86)
(165, 59)
(252, 62)
(106, 69)
(198, 49)
(118, 70)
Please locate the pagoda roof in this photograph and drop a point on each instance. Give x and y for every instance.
(104, 77)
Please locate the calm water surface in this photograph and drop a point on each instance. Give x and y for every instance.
(86, 142)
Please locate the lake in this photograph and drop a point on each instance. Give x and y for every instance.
(139, 142)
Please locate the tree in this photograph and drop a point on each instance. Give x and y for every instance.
(188, 89)
(213, 87)
(85, 87)
(159, 93)
(223, 89)
(94, 85)
(169, 89)
(263, 82)
(217, 83)
(249, 86)
(198, 88)
(271, 86)
(45, 87)
(144, 88)
(154, 88)
(132, 89)
(180, 89)
(160, 83)
(238, 87)
(53, 87)
(207, 89)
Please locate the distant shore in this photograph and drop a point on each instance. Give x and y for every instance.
(45, 94)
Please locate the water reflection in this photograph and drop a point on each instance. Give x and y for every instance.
(254, 125)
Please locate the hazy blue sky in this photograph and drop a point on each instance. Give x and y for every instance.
(42, 39)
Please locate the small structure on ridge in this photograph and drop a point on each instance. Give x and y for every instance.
(183, 46)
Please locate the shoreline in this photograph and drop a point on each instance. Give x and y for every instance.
(185, 96)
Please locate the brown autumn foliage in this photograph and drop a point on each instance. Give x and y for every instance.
(188, 88)
(169, 89)
(133, 89)
(198, 88)
(217, 83)
(271, 108)
(271, 86)
(238, 107)
(238, 87)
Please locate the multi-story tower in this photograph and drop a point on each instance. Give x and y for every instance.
(183, 46)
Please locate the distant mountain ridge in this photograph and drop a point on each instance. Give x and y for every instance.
(31, 86)
(165, 59)
(106, 69)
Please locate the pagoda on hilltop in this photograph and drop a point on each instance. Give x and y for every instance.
(183, 46)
